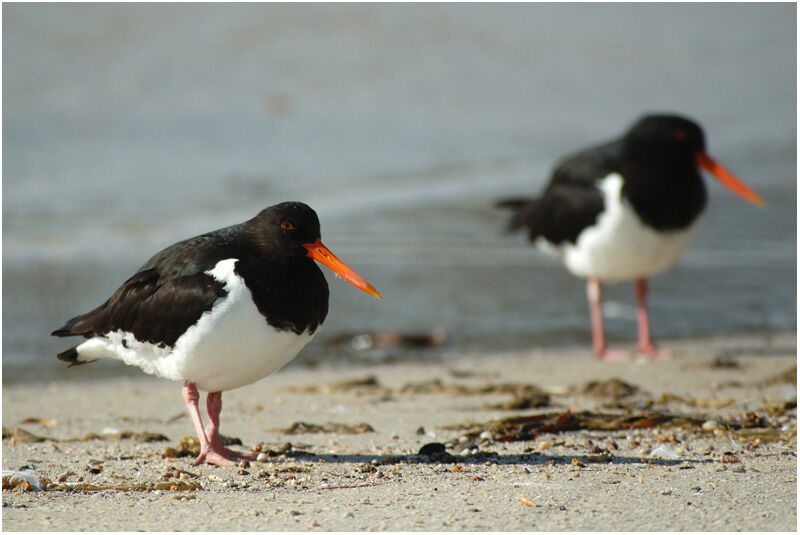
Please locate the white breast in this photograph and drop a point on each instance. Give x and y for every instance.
(230, 346)
(619, 246)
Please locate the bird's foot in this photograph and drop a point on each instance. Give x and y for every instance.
(224, 456)
(611, 355)
(214, 457)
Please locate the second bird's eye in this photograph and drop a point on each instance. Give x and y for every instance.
(286, 225)
(681, 134)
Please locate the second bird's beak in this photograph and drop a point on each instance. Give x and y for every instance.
(323, 255)
(728, 179)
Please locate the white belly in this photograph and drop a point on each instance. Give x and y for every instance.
(619, 246)
(230, 346)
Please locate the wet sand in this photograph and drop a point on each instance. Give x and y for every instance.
(537, 440)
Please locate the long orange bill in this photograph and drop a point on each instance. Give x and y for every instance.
(728, 179)
(323, 255)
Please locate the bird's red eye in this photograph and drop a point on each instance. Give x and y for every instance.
(287, 226)
(680, 134)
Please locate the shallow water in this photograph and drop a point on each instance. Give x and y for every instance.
(129, 127)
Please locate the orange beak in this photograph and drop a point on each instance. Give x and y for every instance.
(323, 255)
(728, 179)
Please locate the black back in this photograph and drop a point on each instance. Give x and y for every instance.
(172, 290)
(656, 159)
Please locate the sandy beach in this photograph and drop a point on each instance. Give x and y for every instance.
(536, 440)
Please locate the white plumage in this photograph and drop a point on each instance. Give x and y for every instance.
(619, 246)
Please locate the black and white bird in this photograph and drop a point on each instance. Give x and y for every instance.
(218, 311)
(625, 210)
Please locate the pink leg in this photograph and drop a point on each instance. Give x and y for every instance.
(208, 454)
(645, 346)
(594, 293)
(214, 406)
(191, 397)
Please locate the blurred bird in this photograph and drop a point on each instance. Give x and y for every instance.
(218, 311)
(626, 209)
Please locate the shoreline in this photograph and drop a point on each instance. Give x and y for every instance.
(704, 441)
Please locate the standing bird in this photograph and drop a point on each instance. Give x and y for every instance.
(626, 209)
(218, 311)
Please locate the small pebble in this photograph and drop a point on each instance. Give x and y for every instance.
(729, 458)
(710, 425)
(664, 452)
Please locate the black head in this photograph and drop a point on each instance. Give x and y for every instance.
(284, 228)
(289, 232)
(675, 147)
(665, 137)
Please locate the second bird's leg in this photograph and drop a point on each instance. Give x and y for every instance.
(645, 345)
(594, 294)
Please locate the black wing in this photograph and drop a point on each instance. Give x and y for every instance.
(164, 298)
(570, 202)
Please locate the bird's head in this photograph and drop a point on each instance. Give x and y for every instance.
(681, 142)
(291, 230)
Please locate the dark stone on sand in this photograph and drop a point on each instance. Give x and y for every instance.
(431, 449)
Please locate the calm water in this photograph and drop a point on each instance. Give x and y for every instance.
(126, 128)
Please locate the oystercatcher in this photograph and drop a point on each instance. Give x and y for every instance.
(218, 311)
(626, 209)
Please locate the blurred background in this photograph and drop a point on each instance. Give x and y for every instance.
(129, 127)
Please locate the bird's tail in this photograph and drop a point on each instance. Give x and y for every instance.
(71, 356)
(77, 326)
(518, 206)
